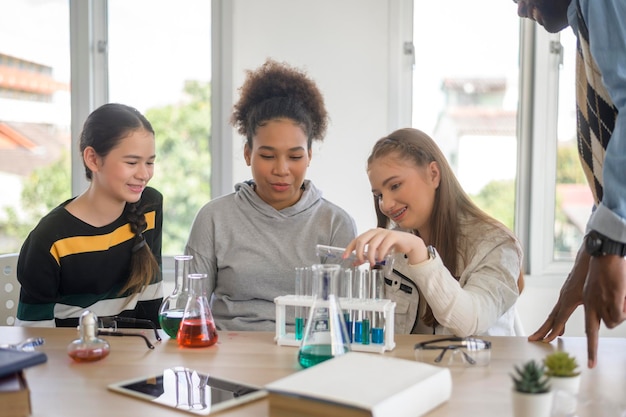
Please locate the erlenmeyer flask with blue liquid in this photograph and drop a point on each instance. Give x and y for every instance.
(325, 335)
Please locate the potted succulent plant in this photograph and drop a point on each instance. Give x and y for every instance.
(563, 372)
(532, 396)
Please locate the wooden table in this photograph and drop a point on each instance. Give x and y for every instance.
(65, 388)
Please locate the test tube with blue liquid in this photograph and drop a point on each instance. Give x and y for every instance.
(345, 292)
(362, 321)
(377, 285)
(303, 290)
(368, 285)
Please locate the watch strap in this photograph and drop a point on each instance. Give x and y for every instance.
(611, 247)
(599, 245)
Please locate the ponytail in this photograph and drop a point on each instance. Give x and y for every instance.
(143, 265)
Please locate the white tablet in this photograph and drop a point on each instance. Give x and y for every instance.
(188, 390)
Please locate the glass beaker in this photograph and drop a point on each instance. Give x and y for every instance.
(197, 328)
(173, 306)
(325, 335)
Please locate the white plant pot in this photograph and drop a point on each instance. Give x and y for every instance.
(532, 405)
(569, 384)
(565, 390)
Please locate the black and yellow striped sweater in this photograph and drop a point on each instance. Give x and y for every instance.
(66, 266)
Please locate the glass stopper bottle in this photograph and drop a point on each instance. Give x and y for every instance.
(88, 347)
(325, 335)
(173, 306)
(197, 328)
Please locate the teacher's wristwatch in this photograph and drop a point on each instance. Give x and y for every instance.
(597, 244)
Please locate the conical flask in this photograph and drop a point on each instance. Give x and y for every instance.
(173, 306)
(197, 328)
(325, 335)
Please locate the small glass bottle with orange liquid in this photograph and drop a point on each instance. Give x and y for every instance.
(88, 347)
(197, 328)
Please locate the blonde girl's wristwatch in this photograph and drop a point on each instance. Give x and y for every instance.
(432, 253)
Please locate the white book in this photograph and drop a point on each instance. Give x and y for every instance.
(362, 384)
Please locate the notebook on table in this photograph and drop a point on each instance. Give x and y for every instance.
(12, 361)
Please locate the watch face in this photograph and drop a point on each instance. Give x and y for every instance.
(593, 244)
(599, 245)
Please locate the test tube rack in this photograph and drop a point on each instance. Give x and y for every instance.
(387, 307)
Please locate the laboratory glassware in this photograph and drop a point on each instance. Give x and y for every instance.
(88, 347)
(345, 293)
(325, 335)
(303, 289)
(197, 328)
(334, 255)
(377, 292)
(173, 306)
(361, 319)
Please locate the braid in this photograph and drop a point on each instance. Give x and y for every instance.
(143, 265)
(136, 219)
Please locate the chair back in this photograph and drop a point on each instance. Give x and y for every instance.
(9, 289)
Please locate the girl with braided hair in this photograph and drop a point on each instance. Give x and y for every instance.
(100, 250)
(250, 241)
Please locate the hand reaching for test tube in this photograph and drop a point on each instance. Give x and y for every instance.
(373, 245)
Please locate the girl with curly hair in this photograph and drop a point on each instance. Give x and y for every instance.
(250, 241)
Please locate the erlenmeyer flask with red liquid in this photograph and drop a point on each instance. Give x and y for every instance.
(197, 328)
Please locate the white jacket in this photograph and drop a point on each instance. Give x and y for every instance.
(481, 302)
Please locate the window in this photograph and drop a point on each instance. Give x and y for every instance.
(465, 85)
(34, 115)
(465, 89)
(573, 196)
(159, 57)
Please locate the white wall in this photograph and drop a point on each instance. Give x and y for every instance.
(353, 50)
(346, 47)
(537, 301)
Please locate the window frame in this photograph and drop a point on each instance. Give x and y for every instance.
(537, 114)
(538, 125)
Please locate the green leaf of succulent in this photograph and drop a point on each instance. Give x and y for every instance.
(561, 364)
(530, 378)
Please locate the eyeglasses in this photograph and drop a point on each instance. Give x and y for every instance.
(112, 323)
(465, 351)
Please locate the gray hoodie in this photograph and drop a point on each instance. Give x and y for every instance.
(249, 251)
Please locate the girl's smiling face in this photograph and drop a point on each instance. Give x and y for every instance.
(279, 159)
(126, 170)
(405, 192)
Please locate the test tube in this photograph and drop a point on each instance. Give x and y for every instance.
(303, 289)
(345, 292)
(377, 293)
(333, 254)
(361, 320)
